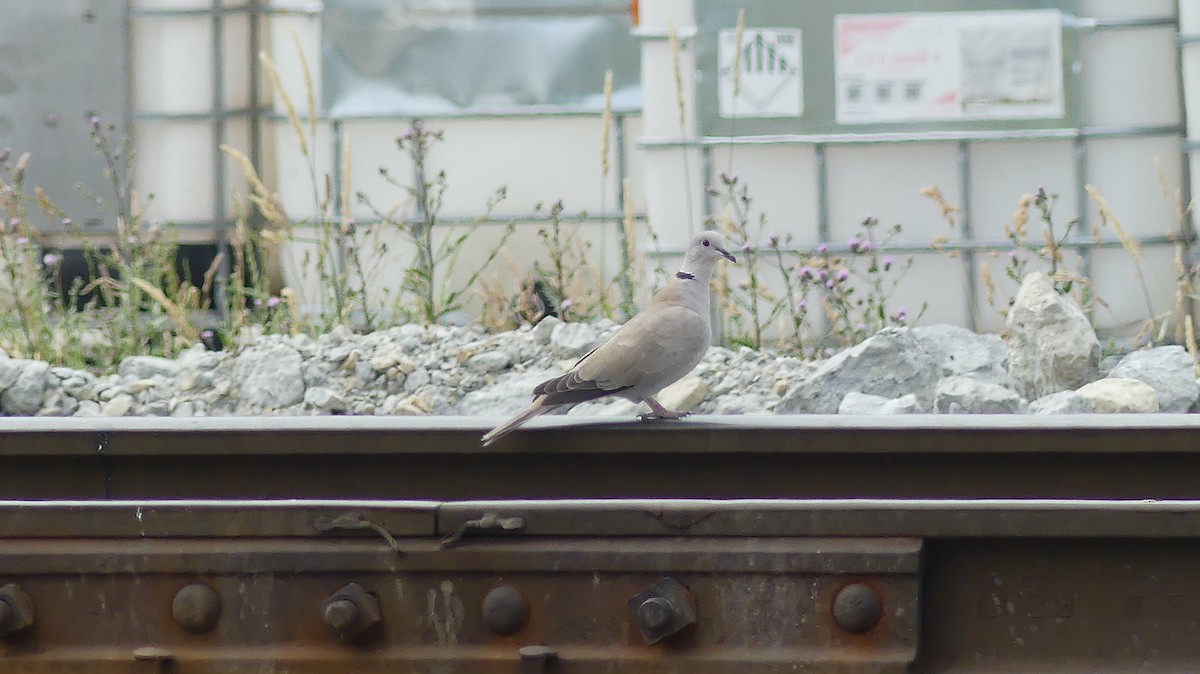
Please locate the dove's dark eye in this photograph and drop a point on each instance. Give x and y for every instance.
(704, 242)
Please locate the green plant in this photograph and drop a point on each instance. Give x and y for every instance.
(850, 289)
(431, 296)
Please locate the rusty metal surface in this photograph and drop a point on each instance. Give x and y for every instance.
(947, 456)
(760, 606)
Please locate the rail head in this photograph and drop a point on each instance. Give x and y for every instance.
(575, 435)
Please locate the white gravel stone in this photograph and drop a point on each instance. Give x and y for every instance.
(270, 377)
(1116, 395)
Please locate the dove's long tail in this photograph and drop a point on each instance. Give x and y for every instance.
(536, 409)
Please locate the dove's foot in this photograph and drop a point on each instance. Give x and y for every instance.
(660, 412)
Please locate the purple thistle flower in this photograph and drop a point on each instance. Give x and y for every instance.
(21, 241)
(853, 244)
(823, 248)
(94, 121)
(830, 284)
(901, 313)
(15, 222)
(49, 259)
(842, 275)
(861, 327)
(773, 240)
(867, 246)
(822, 274)
(806, 272)
(66, 222)
(258, 301)
(272, 302)
(888, 261)
(801, 306)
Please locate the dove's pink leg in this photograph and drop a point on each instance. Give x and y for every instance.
(660, 412)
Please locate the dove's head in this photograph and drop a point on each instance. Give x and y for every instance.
(708, 247)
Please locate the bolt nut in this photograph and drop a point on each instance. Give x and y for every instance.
(662, 610)
(857, 608)
(505, 610)
(654, 613)
(17, 614)
(196, 608)
(351, 611)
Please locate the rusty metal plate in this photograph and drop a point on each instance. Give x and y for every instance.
(760, 605)
(1061, 606)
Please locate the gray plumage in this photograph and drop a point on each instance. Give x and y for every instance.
(653, 350)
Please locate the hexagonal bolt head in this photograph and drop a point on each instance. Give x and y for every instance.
(662, 610)
(857, 608)
(505, 610)
(17, 611)
(196, 608)
(351, 611)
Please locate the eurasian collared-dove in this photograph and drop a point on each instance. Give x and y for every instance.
(654, 349)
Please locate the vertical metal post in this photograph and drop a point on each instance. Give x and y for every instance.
(218, 114)
(1187, 234)
(1079, 149)
(823, 228)
(968, 234)
(626, 275)
(220, 219)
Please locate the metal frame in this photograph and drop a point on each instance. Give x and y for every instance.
(1079, 135)
(258, 113)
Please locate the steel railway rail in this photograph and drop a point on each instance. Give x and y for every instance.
(819, 544)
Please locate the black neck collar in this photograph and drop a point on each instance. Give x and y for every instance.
(685, 276)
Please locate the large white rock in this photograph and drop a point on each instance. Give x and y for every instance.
(865, 403)
(968, 395)
(684, 395)
(959, 351)
(1051, 345)
(1169, 370)
(1116, 395)
(1063, 402)
(270, 378)
(25, 395)
(890, 363)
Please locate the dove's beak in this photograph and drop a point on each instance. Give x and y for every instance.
(728, 256)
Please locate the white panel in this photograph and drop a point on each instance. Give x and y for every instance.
(539, 159)
(175, 164)
(782, 180)
(1191, 85)
(656, 13)
(1003, 171)
(1131, 78)
(634, 167)
(936, 281)
(667, 194)
(1126, 8)
(885, 181)
(284, 32)
(1117, 283)
(295, 183)
(1124, 171)
(373, 146)
(172, 64)
(660, 102)
(388, 252)
(237, 61)
(171, 4)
